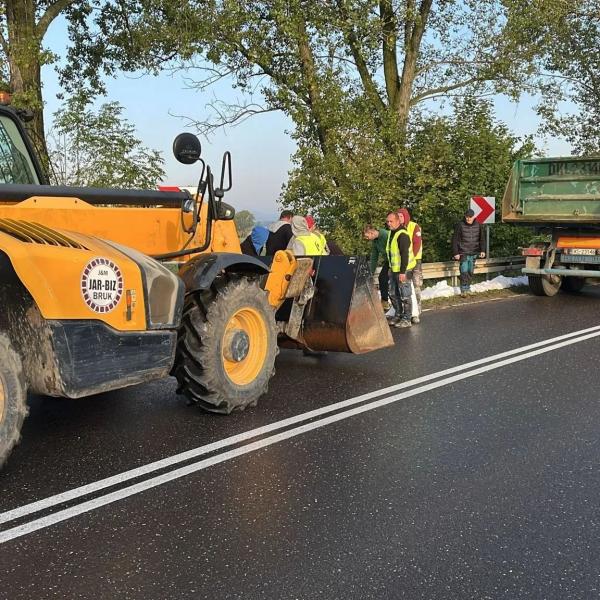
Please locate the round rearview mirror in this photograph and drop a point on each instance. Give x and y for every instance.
(187, 148)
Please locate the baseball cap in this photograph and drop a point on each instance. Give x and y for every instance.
(469, 212)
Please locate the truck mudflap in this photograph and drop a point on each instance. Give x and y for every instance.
(344, 313)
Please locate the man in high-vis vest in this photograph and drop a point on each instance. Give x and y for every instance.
(417, 247)
(331, 245)
(304, 242)
(402, 262)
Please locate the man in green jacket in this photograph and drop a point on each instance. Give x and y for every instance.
(379, 238)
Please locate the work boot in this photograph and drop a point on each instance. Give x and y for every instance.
(392, 321)
(403, 323)
(415, 320)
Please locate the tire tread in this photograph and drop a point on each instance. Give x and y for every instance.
(16, 409)
(198, 367)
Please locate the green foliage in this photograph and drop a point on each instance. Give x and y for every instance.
(314, 59)
(357, 78)
(446, 160)
(574, 58)
(244, 222)
(111, 36)
(100, 149)
(23, 26)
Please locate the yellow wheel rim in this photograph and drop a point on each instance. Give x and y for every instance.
(2, 400)
(244, 346)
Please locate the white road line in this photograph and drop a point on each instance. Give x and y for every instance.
(137, 488)
(125, 476)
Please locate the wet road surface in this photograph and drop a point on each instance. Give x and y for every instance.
(461, 481)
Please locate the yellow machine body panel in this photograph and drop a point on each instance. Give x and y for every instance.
(151, 230)
(225, 237)
(72, 276)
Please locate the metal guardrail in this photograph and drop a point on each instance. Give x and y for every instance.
(442, 270)
(450, 269)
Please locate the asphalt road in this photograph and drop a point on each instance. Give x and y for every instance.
(462, 463)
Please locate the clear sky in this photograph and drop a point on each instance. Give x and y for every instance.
(261, 147)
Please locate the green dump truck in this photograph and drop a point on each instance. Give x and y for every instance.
(559, 197)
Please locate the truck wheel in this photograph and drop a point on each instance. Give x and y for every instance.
(544, 285)
(572, 285)
(13, 398)
(227, 346)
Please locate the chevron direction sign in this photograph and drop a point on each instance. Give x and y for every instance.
(484, 208)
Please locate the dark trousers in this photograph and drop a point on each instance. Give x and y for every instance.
(467, 268)
(384, 279)
(401, 295)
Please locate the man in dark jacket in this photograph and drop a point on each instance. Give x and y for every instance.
(467, 245)
(280, 233)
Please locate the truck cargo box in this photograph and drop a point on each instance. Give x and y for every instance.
(553, 191)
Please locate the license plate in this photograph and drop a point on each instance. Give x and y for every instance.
(582, 260)
(583, 251)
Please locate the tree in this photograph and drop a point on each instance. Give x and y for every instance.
(447, 160)
(573, 66)
(23, 25)
(339, 69)
(100, 149)
(244, 222)
(453, 158)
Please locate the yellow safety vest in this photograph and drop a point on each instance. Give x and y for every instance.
(393, 252)
(411, 231)
(321, 239)
(313, 244)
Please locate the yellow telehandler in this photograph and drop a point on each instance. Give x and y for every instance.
(88, 306)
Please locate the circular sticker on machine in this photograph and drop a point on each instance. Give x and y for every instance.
(101, 285)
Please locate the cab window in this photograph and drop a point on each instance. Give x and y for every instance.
(15, 164)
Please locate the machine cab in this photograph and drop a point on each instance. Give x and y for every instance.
(18, 164)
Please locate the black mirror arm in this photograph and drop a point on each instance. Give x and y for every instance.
(226, 164)
(212, 208)
(201, 188)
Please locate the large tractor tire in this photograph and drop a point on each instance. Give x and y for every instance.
(544, 285)
(572, 285)
(227, 346)
(13, 398)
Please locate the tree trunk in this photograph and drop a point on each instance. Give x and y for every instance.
(414, 29)
(308, 69)
(25, 70)
(405, 92)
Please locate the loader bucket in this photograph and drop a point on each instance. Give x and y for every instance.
(345, 313)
